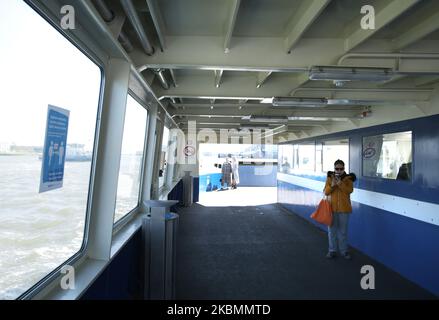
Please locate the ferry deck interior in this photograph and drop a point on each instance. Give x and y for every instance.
(150, 83)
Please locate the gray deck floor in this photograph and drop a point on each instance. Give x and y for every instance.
(265, 252)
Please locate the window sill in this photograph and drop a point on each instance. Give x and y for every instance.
(164, 191)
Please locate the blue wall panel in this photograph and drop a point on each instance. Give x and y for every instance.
(196, 190)
(406, 245)
(213, 178)
(122, 279)
(247, 175)
(257, 176)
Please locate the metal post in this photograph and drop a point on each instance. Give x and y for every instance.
(188, 188)
(162, 238)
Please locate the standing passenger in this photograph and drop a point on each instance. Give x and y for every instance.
(339, 186)
(235, 173)
(226, 171)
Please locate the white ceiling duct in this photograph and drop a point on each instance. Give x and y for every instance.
(134, 18)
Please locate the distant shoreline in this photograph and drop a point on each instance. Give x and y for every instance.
(18, 154)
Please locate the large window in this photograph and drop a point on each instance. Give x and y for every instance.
(40, 231)
(388, 156)
(306, 157)
(285, 160)
(128, 186)
(334, 150)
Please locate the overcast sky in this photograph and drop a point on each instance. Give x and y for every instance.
(40, 67)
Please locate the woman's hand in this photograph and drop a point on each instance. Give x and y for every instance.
(333, 181)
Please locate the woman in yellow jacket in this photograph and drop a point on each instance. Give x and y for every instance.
(339, 187)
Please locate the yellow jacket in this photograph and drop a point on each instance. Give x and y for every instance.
(340, 194)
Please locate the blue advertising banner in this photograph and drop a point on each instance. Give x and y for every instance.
(54, 152)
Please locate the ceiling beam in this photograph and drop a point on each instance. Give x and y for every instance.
(354, 122)
(174, 78)
(302, 20)
(218, 76)
(236, 87)
(394, 79)
(262, 77)
(427, 80)
(301, 79)
(304, 133)
(417, 32)
(201, 52)
(158, 21)
(230, 25)
(392, 10)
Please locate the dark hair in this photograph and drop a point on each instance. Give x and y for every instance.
(339, 162)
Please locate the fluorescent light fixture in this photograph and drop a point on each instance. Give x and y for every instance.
(299, 102)
(335, 73)
(269, 119)
(318, 118)
(351, 102)
(254, 126)
(343, 102)
(267, 100)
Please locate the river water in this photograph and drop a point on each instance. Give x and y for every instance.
(38, 232)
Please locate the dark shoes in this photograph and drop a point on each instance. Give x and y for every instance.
(332, 255)
(347, 256)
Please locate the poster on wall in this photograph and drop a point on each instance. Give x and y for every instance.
(54, 151)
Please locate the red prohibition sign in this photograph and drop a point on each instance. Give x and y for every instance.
(189, 151)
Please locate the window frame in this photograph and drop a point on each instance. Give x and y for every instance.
(98, 60)
(164, 186)
(399, 130)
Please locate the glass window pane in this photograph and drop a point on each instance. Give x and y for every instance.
(39, 231)
(128, 185)
(286, 158)
(388, 156)
(334, 150)
(306, 157)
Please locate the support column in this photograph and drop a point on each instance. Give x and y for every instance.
(150, 150)
(157, 155)
(108, 158)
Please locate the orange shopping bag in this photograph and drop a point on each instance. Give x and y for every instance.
(323, 213)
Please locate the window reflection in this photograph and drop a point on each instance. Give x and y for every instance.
(388, 156)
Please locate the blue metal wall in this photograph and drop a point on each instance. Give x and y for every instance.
(123, 278)
(406, 245)
(249, 176)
